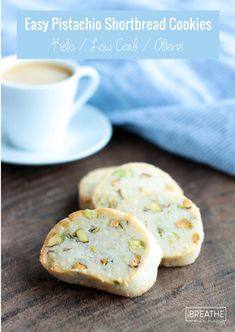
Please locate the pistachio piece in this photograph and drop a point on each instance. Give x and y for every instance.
(50, 260)
(145, 175)
(136, 244)
(183, 223)
(66, 223)
(90, 214)
(121, 224)
(79, 266)
(195, 238)
(186, 204)
(160, 231)
(93, 249)
(112, 203)
(154, 207)
(169, 187)
(120, 193)
(69, 236)
(115, 182)
(94, 229)
(122, 173)
(135, 261)
(114, 223)
(174, 237)
(117, 223)
(104, 261)
(67, 249)
(55, 240)
(82, 236)
(117, 281)
(50, 251)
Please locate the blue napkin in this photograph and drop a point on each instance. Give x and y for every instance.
(185, 106)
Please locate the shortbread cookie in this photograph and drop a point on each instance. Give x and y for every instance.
(104, 249)
(174, 221)
(128, 180)
(87, 185)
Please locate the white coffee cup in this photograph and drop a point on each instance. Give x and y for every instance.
(36, 117)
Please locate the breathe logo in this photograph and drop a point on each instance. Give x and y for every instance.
(205, 314)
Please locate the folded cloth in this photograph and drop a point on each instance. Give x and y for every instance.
(204, 133)
(185, 106)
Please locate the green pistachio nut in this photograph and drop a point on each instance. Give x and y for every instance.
(122, 173)
(55, 240)
(82, 236)
(90, 214)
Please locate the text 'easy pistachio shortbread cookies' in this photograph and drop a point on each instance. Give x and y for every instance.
(131, 179)
(104, 249)
(174, 221)
(88, 183)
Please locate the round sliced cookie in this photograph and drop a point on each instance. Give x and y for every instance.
(105, 249)
(131, 179)
(174, 221)
(88, 183)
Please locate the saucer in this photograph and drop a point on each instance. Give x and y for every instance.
(88, 133)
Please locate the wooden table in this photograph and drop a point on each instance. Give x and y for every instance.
(35, 198)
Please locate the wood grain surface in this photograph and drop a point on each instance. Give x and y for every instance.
(35, 198)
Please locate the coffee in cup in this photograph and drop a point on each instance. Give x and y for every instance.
(36, 73)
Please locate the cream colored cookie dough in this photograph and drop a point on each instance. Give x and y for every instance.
(175, 222)
(105, 249)
(87, 185)
(128, 180)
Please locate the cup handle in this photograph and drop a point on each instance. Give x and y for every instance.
(94, 79)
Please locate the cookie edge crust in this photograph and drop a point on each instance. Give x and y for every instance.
(85, 201)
